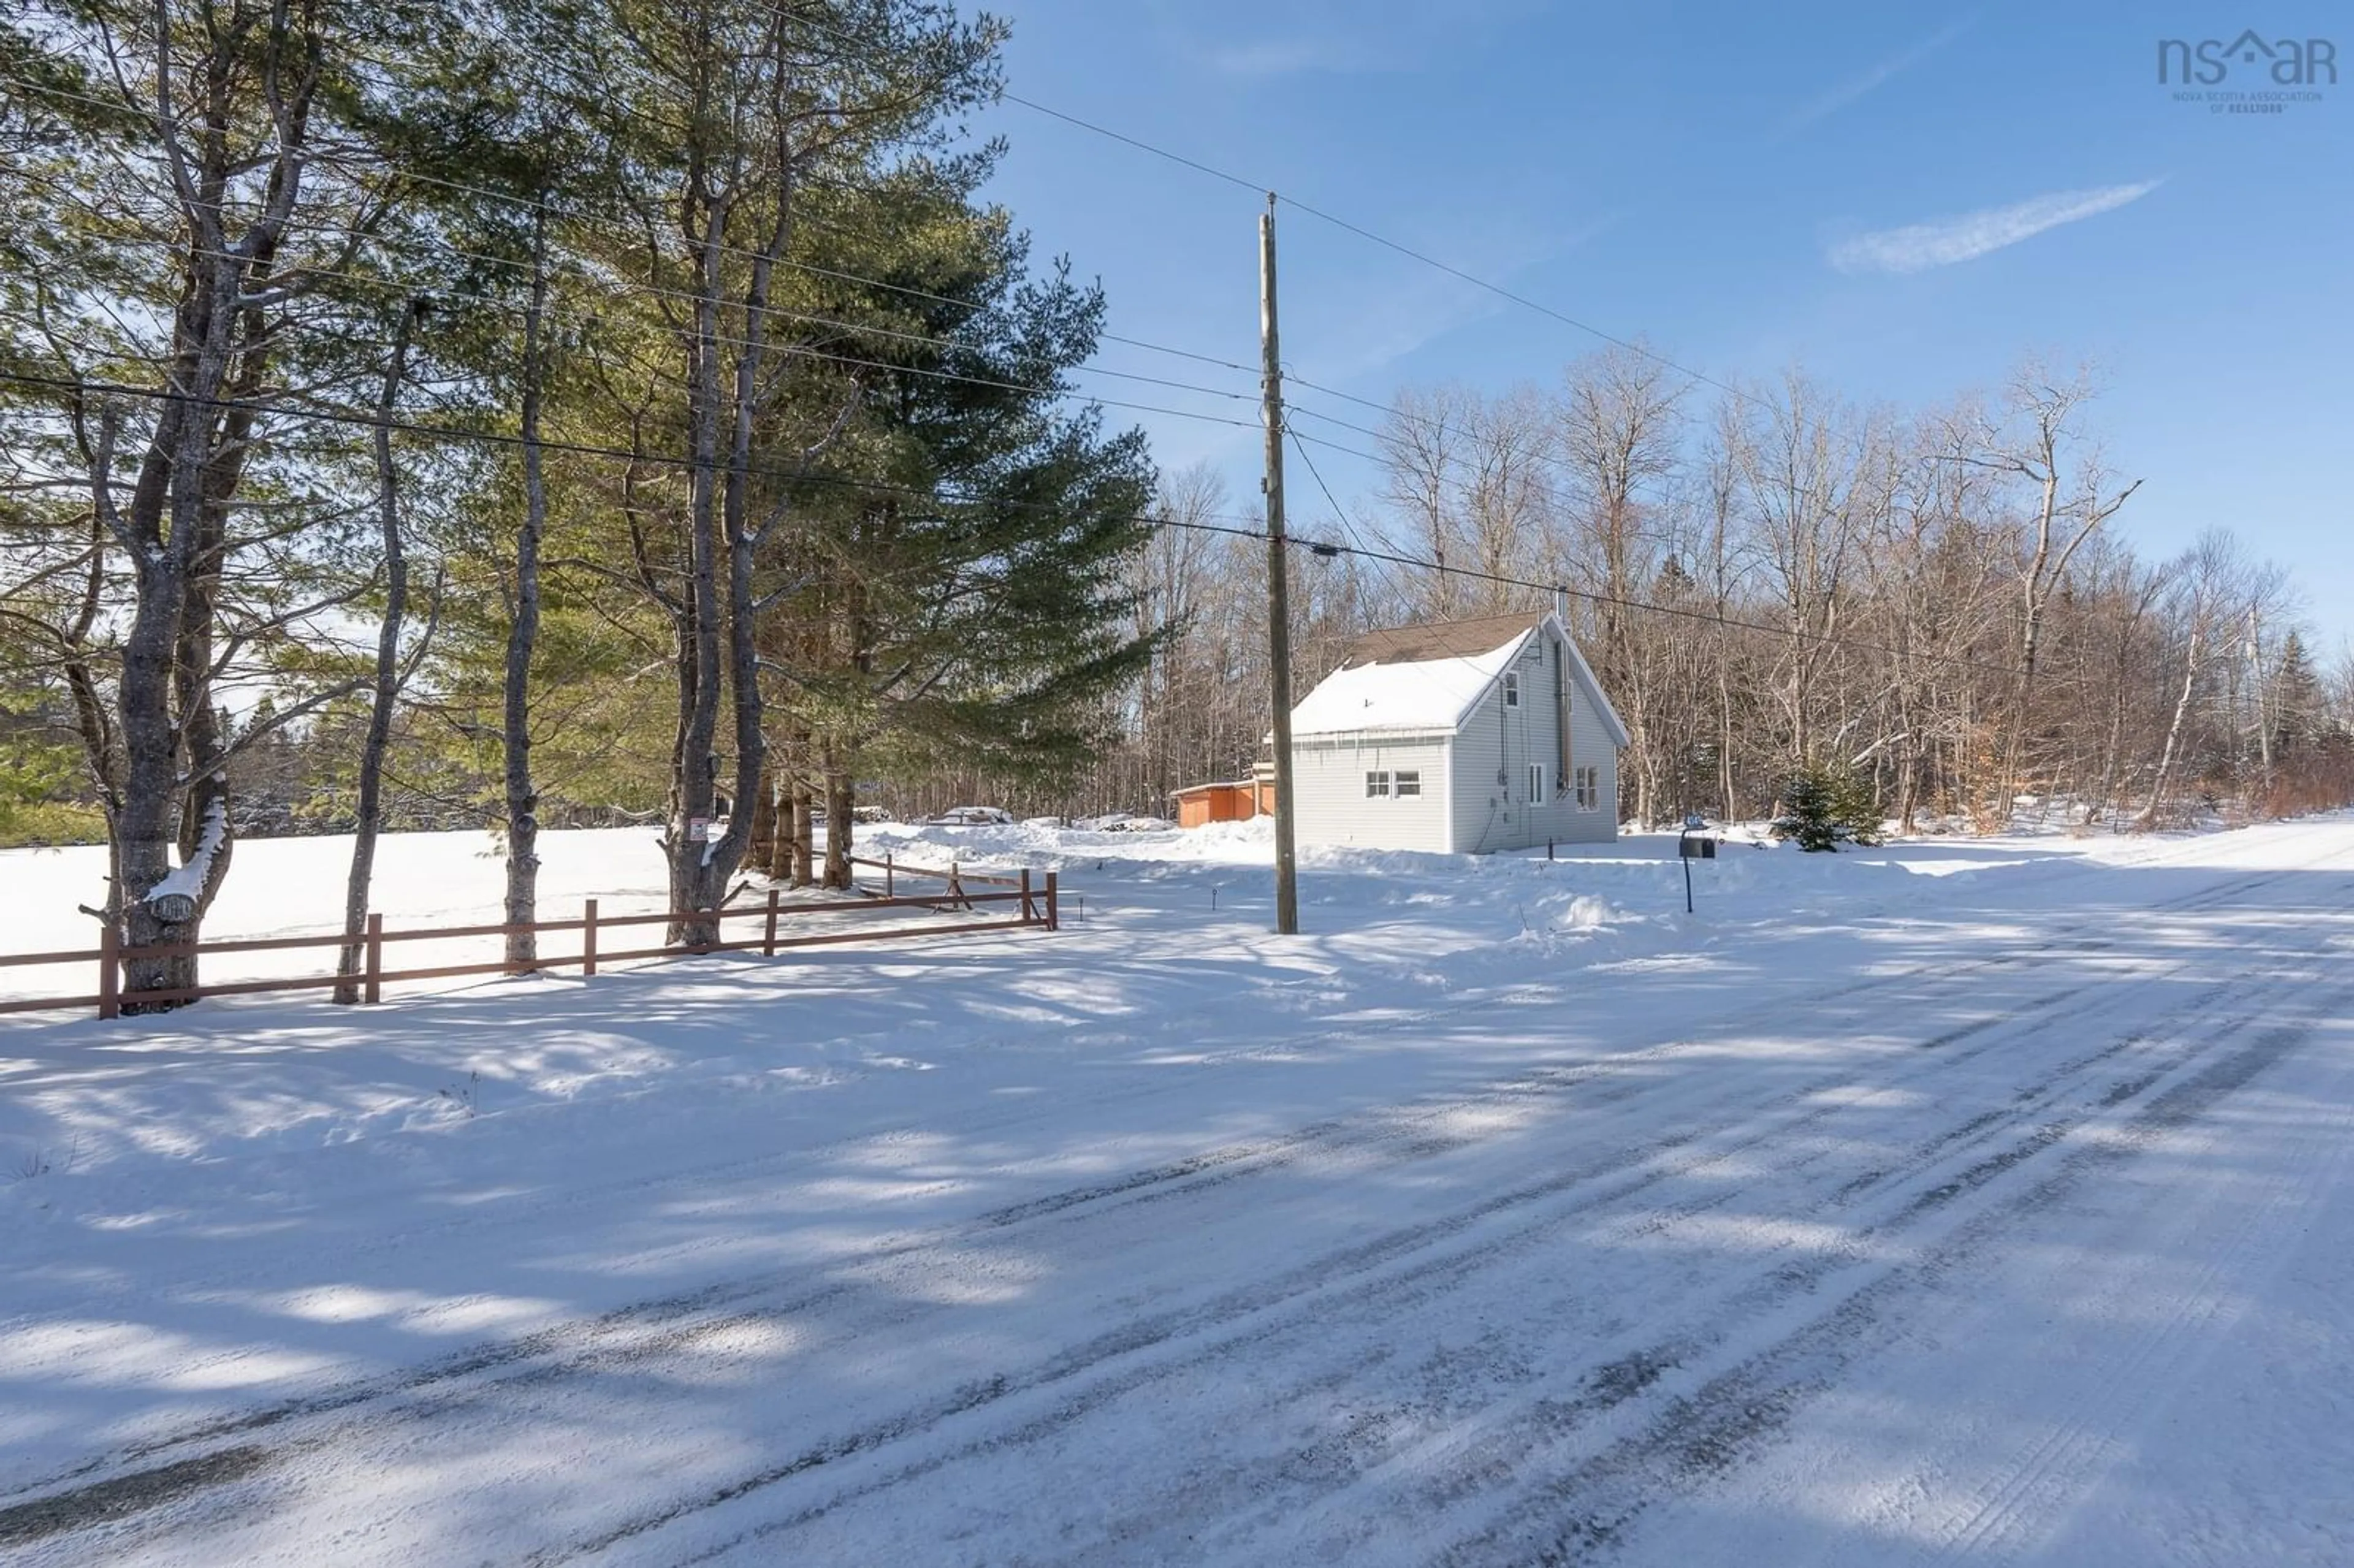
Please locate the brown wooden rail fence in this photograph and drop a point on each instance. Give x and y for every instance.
(955, 876)
(1033, 904)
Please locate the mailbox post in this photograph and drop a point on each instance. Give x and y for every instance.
(1693, 844)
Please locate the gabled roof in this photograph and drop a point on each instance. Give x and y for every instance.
(1438, 640)
(1428, 679)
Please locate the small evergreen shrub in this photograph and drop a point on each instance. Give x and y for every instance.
(1823, 807)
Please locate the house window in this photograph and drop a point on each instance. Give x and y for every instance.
(1536, 784)
(1512, 688)
(1377, 785)
(1408, 784)
(1589, 788)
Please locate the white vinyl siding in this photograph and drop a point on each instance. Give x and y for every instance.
(1592, 747)
(1333, 798)
(1510, 790)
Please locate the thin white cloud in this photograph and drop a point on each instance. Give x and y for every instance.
(1870, 81)
(1293, 57)
(1944, 241)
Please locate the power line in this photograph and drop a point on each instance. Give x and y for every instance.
(1252, 185)
(1179, 353)
(365, 419)
(1293, 377)
(1631, 346)
(838, 184)
(1255, 187)
(1335, 446)
(530, 203)
(414, 286)
(1548, 459)
(801, 351)
(1343, 424)
(1537, 454)
(1710, 618)
(1338, 512)
(782, 14)
(659, 292)
(1231, 527)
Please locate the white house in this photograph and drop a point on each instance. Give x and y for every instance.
(1461, 736)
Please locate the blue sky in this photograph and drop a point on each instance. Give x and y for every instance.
(1903, 200)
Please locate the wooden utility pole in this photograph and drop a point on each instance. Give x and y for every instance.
(1278, 590)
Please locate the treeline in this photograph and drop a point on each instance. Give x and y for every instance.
(521, 411)
(1944, 607)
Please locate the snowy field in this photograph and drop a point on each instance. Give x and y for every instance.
(1981, 1202)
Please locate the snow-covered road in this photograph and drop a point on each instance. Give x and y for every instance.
(2005, 1216)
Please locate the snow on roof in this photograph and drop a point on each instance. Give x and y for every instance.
(1405, 694)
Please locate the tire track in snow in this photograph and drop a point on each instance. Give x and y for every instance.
(1585, 1515)
(1236, 1159)
(589, 1343)
(1627, 1374)
(611, 1340)
(568, 1349)
(2001, 1514)
(1633, 1369)
(1146, 1335)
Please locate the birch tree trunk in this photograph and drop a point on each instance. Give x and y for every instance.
(2148, 815)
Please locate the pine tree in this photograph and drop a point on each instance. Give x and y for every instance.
(1823, 807)
(2298, 707)
(975, 607)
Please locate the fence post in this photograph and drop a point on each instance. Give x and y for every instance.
(589, 940)
(374, 956)
(1054, 906)
(110, 968)
(768, 942)
(889, 882)
(1029, 913)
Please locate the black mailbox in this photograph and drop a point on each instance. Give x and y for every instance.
(1694, 844)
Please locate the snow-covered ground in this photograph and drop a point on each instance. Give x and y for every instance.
(1966, 1201)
